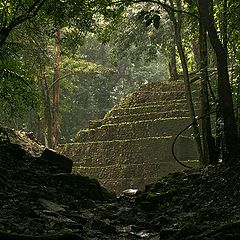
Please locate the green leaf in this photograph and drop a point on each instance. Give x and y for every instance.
(156, 21)
(142, 15)
(149, 22)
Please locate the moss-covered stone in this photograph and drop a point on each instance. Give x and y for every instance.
(143, 150)
(95, 123)
(148, 108)
(146, 116)
(138, 98)
(132, 145)
(167, 86)
(135, 130)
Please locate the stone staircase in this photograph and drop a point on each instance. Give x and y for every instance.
(131, 146)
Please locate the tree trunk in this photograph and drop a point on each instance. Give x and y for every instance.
(224, 89)
(56, 90)
(209, 150)
(196, 51)
(39, 128)
(224, 25)
(177, 28)
(47, 113)
(172, 65)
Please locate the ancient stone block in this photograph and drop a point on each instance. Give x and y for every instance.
(132, 146)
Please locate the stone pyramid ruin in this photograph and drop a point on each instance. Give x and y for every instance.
(131, 146)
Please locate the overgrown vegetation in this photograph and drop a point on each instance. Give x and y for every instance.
(63, 63)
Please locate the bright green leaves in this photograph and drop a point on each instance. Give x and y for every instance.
(75, 66)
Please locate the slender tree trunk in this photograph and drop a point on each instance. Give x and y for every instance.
(172, 65)
(224, 90)
(209, 150)
(56, 90)
(177, 28)
(196, 51)
(234, 50)
(39, 129)
(238, 104)
(173, 62)
(224, 25)
(47, 113)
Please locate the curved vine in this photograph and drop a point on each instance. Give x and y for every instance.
(187, 127)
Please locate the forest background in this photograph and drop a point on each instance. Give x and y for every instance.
(63, 63)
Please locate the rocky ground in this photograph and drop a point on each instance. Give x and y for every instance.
(41, 199)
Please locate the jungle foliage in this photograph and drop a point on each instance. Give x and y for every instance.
(109, 48)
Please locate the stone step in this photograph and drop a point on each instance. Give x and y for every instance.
(134, 130)
(166, 86)
(132, 145)
(163, 102)
(120, 152)
(149, 107)
(144, 170)
(138, 98)
(145, 116)
(156, 111)
(120, 177)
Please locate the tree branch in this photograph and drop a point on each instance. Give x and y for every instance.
(163, 5)
(31, 12)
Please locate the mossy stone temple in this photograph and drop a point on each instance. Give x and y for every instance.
(131, 146)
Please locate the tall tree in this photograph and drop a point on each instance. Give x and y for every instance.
(173, 61)
(56, 90)
(231, 154)
(209, 149)
(177, 22)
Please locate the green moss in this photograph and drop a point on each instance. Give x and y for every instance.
(134, 130)
(162, 86)
(146, 121)
(135, 138)
(106, 152)
(157, 106)
(93, 124)
(148, 96)
(145, 116)
(76, 145)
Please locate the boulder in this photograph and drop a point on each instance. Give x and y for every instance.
(55, 162)
(81, 186)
